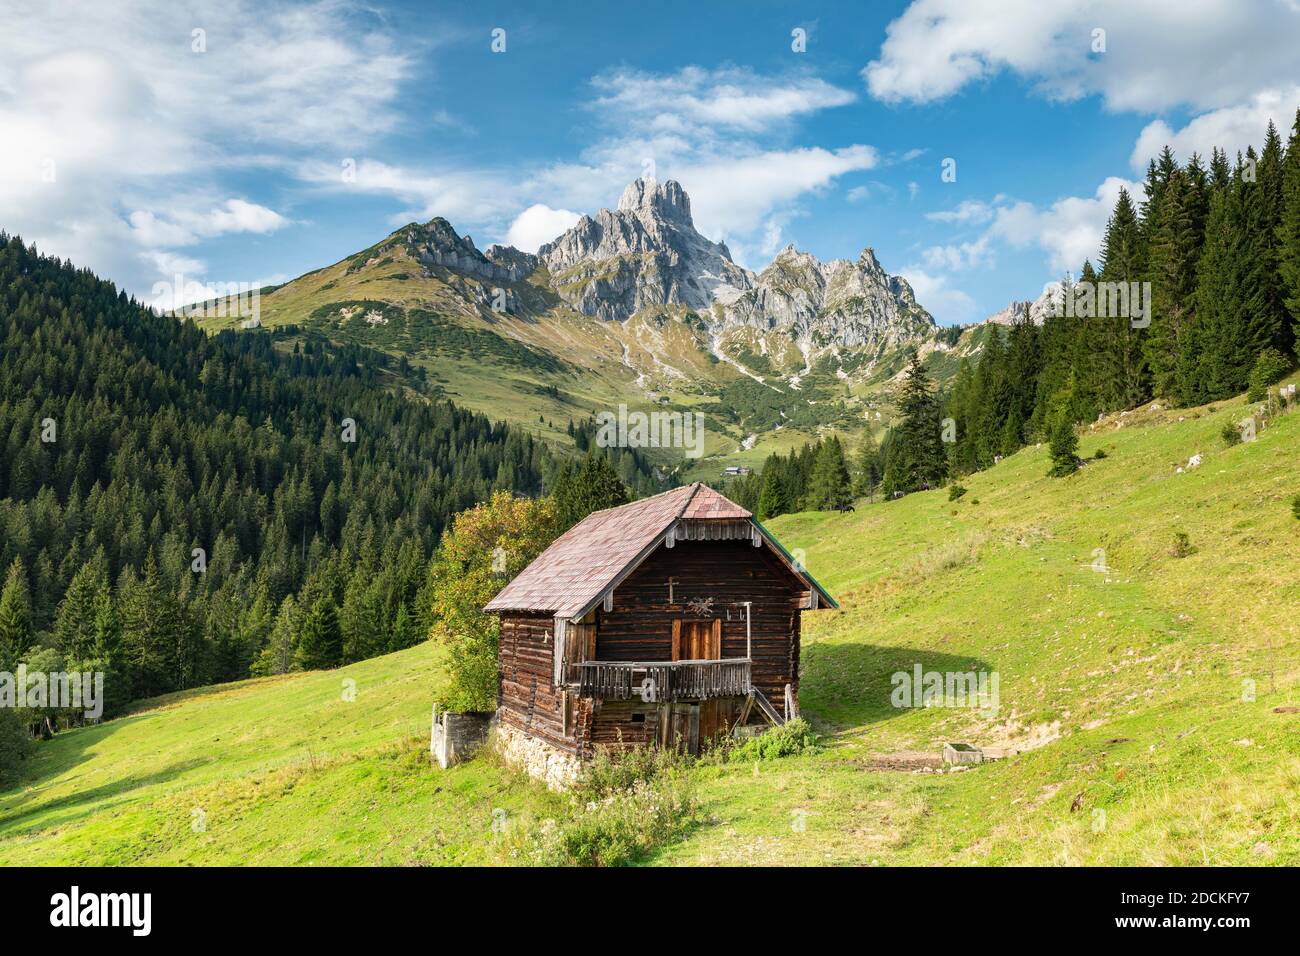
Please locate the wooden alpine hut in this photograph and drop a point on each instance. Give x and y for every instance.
(663, 622)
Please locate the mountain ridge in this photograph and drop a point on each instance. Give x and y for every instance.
(630, 305)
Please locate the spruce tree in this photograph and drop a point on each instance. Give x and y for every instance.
(1235, 321)
(1264, 228)
(1058, 344)
(1220, 171)
(1064, 448)
(916, 457)
(1288, 230)
(1174, 252)
(773, 500)
(74, 624)
(150, 626)
(830, 488)
(994, 396)
(16, 634)
(866, 465)
(1200, 372)
(1013, 431)
(1094, 364)
(1196, 197)
(321, 643)
(592, 486)
(1123, 260)
(280, 652)
(963, 408)
(1159, 173)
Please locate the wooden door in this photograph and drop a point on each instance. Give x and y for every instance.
(697, 640)
(681, 729)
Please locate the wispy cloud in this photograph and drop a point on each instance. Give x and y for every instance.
(948, 304)
(717, 100)
(967, 211)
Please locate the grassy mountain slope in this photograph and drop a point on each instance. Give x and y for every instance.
(1132, 678)
(273, 771)
(539, 363)
(1124, 691)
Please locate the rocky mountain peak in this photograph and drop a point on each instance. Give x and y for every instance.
(644, 253)
(868, 261)
(1039, 309)
(436, 243)
(647, 199)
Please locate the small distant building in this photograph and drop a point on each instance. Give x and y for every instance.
(664, 622)
(733, 470)
(253, 323)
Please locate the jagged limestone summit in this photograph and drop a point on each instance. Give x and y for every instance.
(630, 305)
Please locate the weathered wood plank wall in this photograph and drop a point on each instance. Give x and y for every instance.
(525, 691)
(639, 628)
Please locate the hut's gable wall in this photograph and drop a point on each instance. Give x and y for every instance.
(715, 578)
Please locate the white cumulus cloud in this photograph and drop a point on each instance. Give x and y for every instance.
(1231, 128)
(1149, 56)
(948, 304)
(537, 225)
(116, 116)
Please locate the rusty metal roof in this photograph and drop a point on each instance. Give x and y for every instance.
(581, 563)
(569, 577)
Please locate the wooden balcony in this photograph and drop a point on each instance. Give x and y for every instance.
(663, 681)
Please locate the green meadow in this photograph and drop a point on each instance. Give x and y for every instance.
(1143, 624)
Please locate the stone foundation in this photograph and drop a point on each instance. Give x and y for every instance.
(540, 760)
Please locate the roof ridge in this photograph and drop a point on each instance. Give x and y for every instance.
(641, 501)
(695, 487)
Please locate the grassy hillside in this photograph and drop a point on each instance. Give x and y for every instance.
(1123, 690)
(1128, 685)
(540, 363)
(273, 771)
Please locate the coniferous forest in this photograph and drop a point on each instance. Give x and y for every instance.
(1219, 245)
(178, 509)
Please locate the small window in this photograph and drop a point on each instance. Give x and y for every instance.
(638, 718)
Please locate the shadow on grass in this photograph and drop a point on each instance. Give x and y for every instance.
(80, 803)
(849, 685)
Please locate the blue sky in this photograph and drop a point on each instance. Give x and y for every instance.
(244, 142)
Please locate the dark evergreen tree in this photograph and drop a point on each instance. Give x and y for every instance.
(830, 487)
(1058, 348)
(74, 630)
(151, 623)
(1064, 448)
(867, 467)
(321, 643)
(916, 457)
(16, 634)
(1119, 335)
(965, 413)
(1235, 319)
(1174, 253)
(1265, 212)
(593, 485)
(774, 499)
(1288, 229)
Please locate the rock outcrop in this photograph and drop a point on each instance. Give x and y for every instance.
(644, 253)
(436, 243)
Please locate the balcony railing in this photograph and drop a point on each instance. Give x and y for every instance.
(661, 681)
